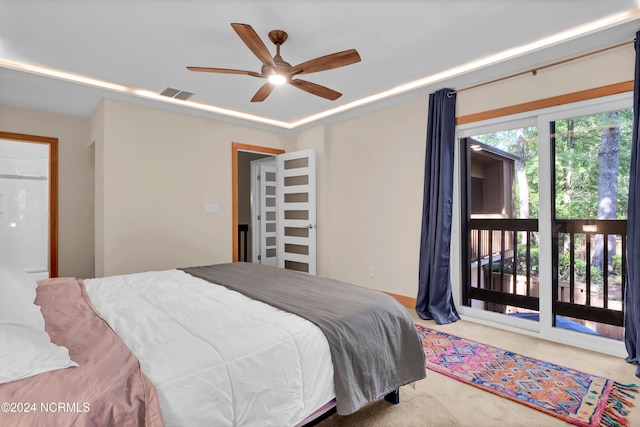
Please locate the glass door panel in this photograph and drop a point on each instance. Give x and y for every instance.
(502, 228)
(591, 162)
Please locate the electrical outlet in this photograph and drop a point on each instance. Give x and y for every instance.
(372, 271)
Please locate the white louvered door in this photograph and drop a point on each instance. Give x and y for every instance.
(296, 207)
(268, 215)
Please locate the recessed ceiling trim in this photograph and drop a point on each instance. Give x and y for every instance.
(564, 36)
(468, 67)
(102, 84)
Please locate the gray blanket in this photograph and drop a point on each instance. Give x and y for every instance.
(374, 344)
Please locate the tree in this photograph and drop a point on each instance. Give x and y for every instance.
(522, 175)
(608, 154)
(523, 184)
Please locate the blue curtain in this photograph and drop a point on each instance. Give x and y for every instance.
(632, 293)
(435, 300)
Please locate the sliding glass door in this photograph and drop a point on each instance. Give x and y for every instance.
(543, 221)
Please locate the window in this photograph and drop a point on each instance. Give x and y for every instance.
(543, 209)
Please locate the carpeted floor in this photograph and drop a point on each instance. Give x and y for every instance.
(440, 401)
(577, 397)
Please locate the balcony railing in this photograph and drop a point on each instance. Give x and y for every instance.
(503, 272)
(603, 299)
(495, 245)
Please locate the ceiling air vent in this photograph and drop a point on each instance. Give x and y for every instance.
(176, 93)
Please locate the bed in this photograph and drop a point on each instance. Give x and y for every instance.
(231, 344)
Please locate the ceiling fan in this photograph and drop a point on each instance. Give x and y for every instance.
(278, 72)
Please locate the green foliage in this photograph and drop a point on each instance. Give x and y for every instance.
(617, 265)
(580, 271)
(534, 257)
(577, 143)
(596, 276)
(521, 263)
(564, 271)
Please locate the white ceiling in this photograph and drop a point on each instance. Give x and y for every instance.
(425, 45)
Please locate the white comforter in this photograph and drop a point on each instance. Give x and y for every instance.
(216, 357)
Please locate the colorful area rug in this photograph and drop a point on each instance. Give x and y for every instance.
(573, 396)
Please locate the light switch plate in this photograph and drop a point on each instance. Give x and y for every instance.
(211, 207)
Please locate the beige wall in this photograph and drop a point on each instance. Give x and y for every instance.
(159, 170)
(612, 66)
(371, 198)
(375, 169)
(156, 169)
(75, 182)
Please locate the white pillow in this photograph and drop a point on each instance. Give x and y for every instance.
(25, 351)
(20, 282)
(25, 347)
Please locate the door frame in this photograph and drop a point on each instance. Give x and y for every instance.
(53, 191)
(256, 195)
(235, 147)
(549, 110)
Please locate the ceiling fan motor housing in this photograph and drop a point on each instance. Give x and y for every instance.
(278, 37)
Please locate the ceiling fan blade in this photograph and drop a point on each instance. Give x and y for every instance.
(253, 42)
(263, 92)
(223, 71)
(329, 62)
(316, 89)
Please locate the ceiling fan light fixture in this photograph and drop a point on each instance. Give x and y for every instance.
(277, 79)
(277, 71)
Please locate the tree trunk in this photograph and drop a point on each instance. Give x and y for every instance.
(571, 143)
(607, 187)
(566, 197)
(523, 184)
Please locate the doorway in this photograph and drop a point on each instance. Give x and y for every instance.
(292, 210)
(557, 267)
(248, 234)
(238, 159)
(29, 203)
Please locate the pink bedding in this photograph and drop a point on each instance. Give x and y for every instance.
(107, 389)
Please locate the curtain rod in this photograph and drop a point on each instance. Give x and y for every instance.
(534, 71)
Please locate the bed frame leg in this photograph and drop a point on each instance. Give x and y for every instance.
(393, 397)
